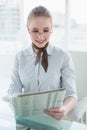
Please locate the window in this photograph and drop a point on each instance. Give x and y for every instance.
(78, 22)
(10, 25)
(70, 24)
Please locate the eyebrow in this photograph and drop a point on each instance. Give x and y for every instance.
(43, 28)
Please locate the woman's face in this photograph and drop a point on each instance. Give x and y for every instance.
(40, 29)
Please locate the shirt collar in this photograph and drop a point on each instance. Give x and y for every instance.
(50, 50)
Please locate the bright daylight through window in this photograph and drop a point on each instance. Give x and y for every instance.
(78, 30)
(9, 25)
(13, 16)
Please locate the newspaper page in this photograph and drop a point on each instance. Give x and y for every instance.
(36, 103)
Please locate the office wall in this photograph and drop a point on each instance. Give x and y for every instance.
(80, 62)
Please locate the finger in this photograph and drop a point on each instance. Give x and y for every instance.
(54, 114)
(57, 109)
(57, 117)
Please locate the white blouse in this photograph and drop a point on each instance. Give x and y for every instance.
(28, 77)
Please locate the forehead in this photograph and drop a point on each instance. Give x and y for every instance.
(40, 21)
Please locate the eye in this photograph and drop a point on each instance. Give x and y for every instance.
(35, 31)
(46, 30)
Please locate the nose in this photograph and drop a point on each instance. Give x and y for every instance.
(40, 35)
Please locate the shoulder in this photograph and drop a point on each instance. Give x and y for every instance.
(58, 52)
(61, 56)
(23, 53)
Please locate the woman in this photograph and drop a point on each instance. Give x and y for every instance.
(43, 67)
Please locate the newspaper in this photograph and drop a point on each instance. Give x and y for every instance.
(36, 103)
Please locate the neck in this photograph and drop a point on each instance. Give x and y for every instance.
(36, 49)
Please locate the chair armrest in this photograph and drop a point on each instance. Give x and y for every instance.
(6, 98)
(77, 113)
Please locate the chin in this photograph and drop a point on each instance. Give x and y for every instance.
(41, 46)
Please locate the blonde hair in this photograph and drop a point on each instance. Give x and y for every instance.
(38, 11)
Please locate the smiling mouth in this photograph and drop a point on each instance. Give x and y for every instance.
(40, 42)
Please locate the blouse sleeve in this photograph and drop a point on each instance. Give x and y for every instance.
(69, 76)
(16, 85)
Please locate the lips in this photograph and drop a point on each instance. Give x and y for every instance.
(40, 42)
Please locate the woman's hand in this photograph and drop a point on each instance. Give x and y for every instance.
(57, 112)
(60, 112)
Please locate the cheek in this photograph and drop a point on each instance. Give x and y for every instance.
(32, 38)
(48, 37)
